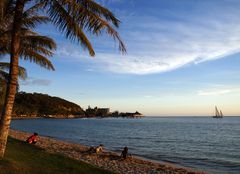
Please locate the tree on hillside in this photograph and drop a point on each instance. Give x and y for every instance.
(42, 105)
(71, 17)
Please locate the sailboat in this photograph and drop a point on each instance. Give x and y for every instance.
(218, 113)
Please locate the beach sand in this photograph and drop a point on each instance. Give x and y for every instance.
(106, 159)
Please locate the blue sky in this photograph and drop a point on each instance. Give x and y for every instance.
(183, 58)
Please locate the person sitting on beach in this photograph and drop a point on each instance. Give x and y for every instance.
(32, 139)
(99, 148)
(125, 153)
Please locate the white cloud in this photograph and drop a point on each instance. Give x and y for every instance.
(217, 91)
(148, 96)
(158, 45)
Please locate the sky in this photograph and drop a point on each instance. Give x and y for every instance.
(183, 58)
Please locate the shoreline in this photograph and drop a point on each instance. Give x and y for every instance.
(108, 160)
(26, 118)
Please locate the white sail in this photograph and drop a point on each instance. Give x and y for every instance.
(221, 114)
(218, 114)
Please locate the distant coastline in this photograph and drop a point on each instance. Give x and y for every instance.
(20, 117)
(37, 105)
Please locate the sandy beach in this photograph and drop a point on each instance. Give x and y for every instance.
(107, 159)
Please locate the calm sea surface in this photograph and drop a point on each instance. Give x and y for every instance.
(208, 144)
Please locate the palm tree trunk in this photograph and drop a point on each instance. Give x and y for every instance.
(13, 77)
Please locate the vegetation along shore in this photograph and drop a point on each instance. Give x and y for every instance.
(37, 105)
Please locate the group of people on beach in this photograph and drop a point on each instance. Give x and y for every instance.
(99, 149)
(34, 138)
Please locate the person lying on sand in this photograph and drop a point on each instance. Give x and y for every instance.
(125, 153)
(32, 139)
(96, 149)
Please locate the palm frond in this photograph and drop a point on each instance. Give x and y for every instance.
(4, 75)
(6, 7)
(96, 25)
(4, 66)
(71, 16)
(4, 43)
(32, 56)
(38, 50)
(33, 41)
(36, 44)
(99, 11)
(31, 18)
(31, 11)
(43, 51)
(22, 73)
(32, 22)
(66, 24)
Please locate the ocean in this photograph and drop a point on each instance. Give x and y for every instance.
(204, 143)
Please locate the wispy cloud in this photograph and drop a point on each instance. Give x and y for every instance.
(36, 82)
(148, 96)
(217, 91)
(158, 45)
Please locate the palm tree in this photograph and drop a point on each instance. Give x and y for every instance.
(33, 47)
(71, 17)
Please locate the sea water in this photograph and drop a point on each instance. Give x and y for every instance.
(208, 144)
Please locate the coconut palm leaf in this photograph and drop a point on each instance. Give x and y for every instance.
(38, 41)
(6, 5)
(4, 76)
(34, 43)
(41, 46)
(73, 17)
(32, 56)
(32, 22)
(72, 31)
(4, 66)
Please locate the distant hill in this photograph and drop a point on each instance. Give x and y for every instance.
(43, 105)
